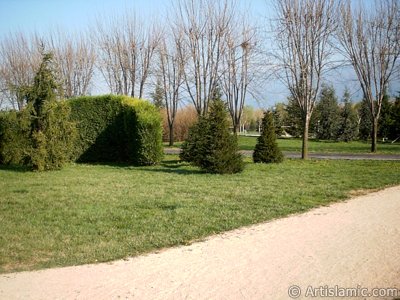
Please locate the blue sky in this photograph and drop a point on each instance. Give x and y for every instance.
(42, 16)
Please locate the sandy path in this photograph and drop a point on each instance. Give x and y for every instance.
(346, 244)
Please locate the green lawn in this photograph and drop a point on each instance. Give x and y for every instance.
(92, 213)
(294, 145)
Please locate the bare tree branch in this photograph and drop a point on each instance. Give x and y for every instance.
(204, 24)
(371, 42)
(19, 61)
(75, 58)
(125, 53)
(303, 31)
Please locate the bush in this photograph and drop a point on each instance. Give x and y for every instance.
(142, 125)
(53, 144)
(193, 147)
(211, 146)
(116, 129)
(266, 150)
(184, 120)
(45, 149)
(15, 141)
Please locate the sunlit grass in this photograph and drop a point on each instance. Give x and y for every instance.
(91, 213)
(294, 145)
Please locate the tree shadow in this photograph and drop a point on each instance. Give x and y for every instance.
(172, 166)
(177, 171)
(15, 168)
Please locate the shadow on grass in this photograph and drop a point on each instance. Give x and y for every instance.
(172, 166)
(15, 168)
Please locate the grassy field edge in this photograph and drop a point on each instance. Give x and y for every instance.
(99, 213)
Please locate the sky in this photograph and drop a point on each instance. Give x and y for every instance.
(42, 16)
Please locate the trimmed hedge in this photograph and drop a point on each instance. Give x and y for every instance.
(116, 129)
(15, 142)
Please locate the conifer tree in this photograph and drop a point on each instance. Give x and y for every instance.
(348, 127)
(210, 144)
(328, 114)
(365, 127)
(267, 150)
(52, 133)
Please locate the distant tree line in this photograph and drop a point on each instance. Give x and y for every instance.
(340, 120)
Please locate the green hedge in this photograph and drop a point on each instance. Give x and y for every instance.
(15, 142)
(116, 129)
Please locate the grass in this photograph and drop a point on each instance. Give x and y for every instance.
(294, 145)
(92, 213)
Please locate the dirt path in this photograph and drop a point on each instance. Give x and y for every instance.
(351, 244)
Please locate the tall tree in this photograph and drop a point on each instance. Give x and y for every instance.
(327, 111)
(19, 61)
(75, 59)
(238, 67)
(125, 53)
(204, 24)
(172, 64)
(304, 29)
(371, 41)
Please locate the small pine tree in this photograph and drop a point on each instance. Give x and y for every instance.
(327, 112)
(385, 119)
(210, 144)
(267, 150)
(158, 95)
(348, 124)
(394, 133)
(365, 127)
(192, 147)
(293, 118)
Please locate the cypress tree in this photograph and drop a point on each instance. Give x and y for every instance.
(267, 150)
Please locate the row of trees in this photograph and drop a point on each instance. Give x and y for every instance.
(207, 47)
(369, 39)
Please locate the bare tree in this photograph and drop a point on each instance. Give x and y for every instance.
(304, 29)
(239, 60)
(19, 61)
(371, 42)
(125, 53)
(204, 24)
(75, 59)
(172, 64)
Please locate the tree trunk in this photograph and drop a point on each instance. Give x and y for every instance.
(171, 134)
(236, 128)
(304, 150)
(374, 134)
